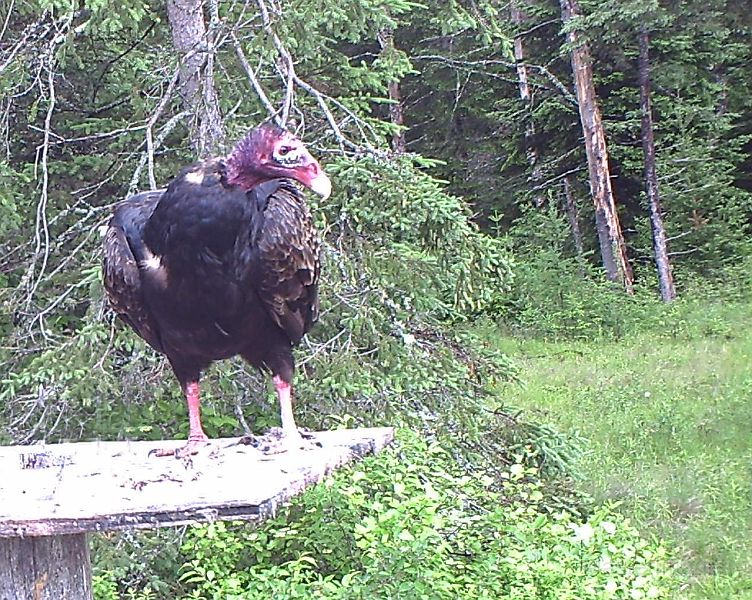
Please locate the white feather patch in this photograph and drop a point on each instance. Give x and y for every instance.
(152, 261)
(195, 177)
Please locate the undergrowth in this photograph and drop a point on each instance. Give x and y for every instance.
(411, 523)
(664, 407)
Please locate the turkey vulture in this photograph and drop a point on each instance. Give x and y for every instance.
(223, 262)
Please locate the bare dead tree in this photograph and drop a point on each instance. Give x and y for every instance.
(611, 239)
(660, 246)
(519, 17)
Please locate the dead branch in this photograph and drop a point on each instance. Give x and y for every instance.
(292, 77)
(148, 155)
(38, 30)
(7, 20)
(42, 232)
(150, 127)
(254, 81)
(484, 64)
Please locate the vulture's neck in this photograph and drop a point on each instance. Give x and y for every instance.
(242, 176)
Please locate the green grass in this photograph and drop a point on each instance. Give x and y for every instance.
(668, 417)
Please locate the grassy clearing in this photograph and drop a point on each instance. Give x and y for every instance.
(668, 416)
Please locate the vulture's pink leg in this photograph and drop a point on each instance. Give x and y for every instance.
(291, 439)
(196, 433)
(196, 436)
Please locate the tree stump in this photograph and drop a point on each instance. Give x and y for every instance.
(54, 495)
(45, 568)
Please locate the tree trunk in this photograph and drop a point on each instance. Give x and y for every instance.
(613, 250)
(45, 568)
(665, 279)
(396, 108)
(604, 243)
(531, 152)
(196, 84)
(571, 210)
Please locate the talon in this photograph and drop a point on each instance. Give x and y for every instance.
(194, 445)
(291, 441)
(160, 452)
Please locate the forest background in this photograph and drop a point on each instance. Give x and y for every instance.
(536, 263)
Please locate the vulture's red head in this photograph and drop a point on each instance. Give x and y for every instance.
(269, 152)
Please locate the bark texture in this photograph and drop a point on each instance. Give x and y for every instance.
(613, 248)
(574, 224)
(519, 17)
(45, 568)
(196, 83)
(660, 248)
(396, 108)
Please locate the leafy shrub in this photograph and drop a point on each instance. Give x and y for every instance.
(411, 524)
(559, 297)
(396, 211)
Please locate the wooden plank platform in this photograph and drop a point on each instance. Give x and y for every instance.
(82, 487)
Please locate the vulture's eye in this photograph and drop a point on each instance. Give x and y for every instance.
(285, 150)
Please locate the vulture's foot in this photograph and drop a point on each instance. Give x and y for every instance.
(195, 444)
(277, 441)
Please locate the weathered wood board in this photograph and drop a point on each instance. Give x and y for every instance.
(45, 568)
(97, 486)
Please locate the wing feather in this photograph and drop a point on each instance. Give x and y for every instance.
(288, 254)
(122, 276)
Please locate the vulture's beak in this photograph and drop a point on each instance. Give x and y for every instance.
(321, 184)
(311, 175)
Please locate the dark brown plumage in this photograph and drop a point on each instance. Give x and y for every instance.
(223, 262)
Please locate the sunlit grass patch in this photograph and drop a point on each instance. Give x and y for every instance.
(667, 414)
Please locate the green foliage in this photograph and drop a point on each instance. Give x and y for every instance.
(10, 217)
(403, 257)
(138, 566)
(411, 283)
(563, 298)
(407, 217)
(699, 145)
(666, 413)
(487, 135)
(410, 524)
(557, 295)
